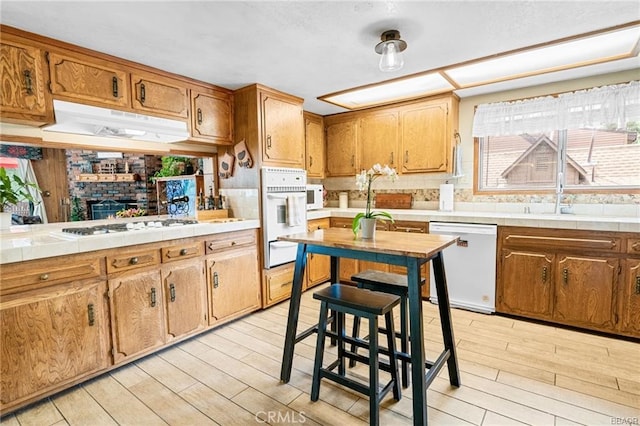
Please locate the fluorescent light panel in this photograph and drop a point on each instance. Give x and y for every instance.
(392, 91)
(604, 46)
(599, 48)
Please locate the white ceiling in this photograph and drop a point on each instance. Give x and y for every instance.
(311, 48)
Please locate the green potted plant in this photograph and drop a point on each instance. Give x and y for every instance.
(366, 222)
(13, 190)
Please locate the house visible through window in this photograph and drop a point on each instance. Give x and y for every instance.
(599, 145)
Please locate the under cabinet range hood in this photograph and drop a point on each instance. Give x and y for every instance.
(94, 121)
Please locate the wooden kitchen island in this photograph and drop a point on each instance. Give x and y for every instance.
(408, 250)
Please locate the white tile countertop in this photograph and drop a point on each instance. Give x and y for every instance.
(556, 221)
(29, 242)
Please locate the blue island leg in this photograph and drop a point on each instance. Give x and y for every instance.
(445, 319)
(416, 334)
(294, 310)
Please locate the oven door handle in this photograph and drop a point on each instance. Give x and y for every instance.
(282, 244)
(284, 197)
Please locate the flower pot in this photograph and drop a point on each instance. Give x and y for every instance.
(5, 220)
(367, 228)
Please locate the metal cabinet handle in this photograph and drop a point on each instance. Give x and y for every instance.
(199, 115)
(44, 277)
(391, 162)
(153, 297)
(353, 160)
(233, 243)
(636, 246)
(565, 276)
(406, 156)
(28, 84)
(114, 86)
(268, 141)
(310, 161)
(184, 252)
(544, 275)
(133, 261)
(91, 315)
(215, 280)
(637, 284)
(143, 93)
(172, 292)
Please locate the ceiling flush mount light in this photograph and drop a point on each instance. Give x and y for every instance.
(391, 48)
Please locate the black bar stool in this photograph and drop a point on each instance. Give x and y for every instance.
(343, 300)
(396, 284)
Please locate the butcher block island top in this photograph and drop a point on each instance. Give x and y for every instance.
(385, 242)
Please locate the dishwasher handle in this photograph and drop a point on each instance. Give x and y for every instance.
(462, 228)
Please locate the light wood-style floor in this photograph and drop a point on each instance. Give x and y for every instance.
(513, 373)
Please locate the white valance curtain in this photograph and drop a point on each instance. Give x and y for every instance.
(593, 108)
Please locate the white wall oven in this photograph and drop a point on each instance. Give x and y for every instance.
(284, 211)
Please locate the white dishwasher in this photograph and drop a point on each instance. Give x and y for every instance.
(469, 265)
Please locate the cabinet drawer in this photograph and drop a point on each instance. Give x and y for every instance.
(16, 276)
(409, 226)
(633, 246)
(278, 284)
(591, 241)
(341, 222)
(230, 240)
(132, 260)
(182, 251)
(315, 224)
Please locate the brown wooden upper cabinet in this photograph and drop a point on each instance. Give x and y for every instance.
(23, 97)
(88, 80)
(341, 145)
(282, 131)
(413, 137)
(158, 95)
(212, 116)
(427, 131)
(314, 145)
(379, 139)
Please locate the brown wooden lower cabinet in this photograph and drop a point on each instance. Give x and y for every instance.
(630, 298)
(349, 267)
(533, 273)
(66, 319)
(318, 268)
(277, 284)
(51, 338)
(136, 303)
(234, 283)
(185, 295)
(574, 277)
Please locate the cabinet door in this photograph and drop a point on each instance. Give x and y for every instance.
(341, 143)
(378, 139)
(314, 143)
(630, 299)
(137, 313)
(282, 132)
(525, 283)
(84, 79)
(419, 228)
(212, 117)
(584, 291)
(52, 338)
(425, 139)
(318, 268)
(234, 283)
(185, 295)
(277, 284)
(23, 97)
(160, 96)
